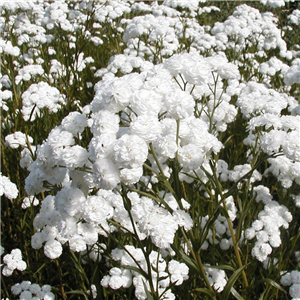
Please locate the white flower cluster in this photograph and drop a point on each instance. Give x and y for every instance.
(114, 166)
(4, 95)
(216, 277)
(292, 75)
(112, 10)
(38, 96)
(220, 234)
(56, 14)
(275, 3)
(27, 72)
(191, 5)
(119, 146)
(162, 273)
(266, 229)
(294, 17)
(13, 261)
(281, 135)
(59, 220)
(157, 34)
(17, 139)
(292, 279)
(29, 201)
(251, 96)
(7, 48)
(32, 291)
(7, 188)
(248, 27)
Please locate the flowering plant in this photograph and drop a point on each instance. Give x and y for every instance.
(168, 167)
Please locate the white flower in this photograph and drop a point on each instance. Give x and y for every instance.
(131, 175)
(8, 48)
(183, 219)
(37, 240)
(166, 146)
(26, 295)
(106, 173)
(17, 139)
(294, 290)
(293, 74)
(160, 225)
(59, 138)
(69, 201)
(190, 157)
(273, 3)
(13, 261)
(73, 157)
(97, 209)
(261, 251)
(130, 151)
(291, 145)
(117, 278)
(179, 272)
(38, 96)
(28, 201)
(16, 289)
(53, 249)
(102, 146)
(105, 122)
(77, 243)
(75, 122)
(217, 278)
(7, 188)
(146, 102)
(147, 127)
(250, 100)
(112, 95)
(179, 104)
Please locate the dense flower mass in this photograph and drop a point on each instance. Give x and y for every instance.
(151, 150)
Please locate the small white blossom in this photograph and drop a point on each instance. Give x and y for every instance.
(7, 188)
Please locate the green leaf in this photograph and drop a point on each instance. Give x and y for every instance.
(275, 284)
(205, 291)
(79, 293)
(189, 262)
(231, 281)
(135, 269)
(236, 294)
(148, 294)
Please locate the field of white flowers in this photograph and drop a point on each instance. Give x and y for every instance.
(150, 149)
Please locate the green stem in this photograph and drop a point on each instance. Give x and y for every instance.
(164, 178)
(230, 226)
(198, 261)
(62, 290)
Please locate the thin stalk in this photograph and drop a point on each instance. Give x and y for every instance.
(62, 290)
(165, 181)
(198, 261)
(4, 288)
(230, 226)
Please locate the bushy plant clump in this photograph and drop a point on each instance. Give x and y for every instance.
(150, 150)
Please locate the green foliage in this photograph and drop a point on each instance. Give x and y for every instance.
(69, 278)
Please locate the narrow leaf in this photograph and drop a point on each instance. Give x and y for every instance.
(231, 281)
(78, 292)
(236, 294)
(275, 284)
(189, 262)
(148, 294)
(205, 291)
